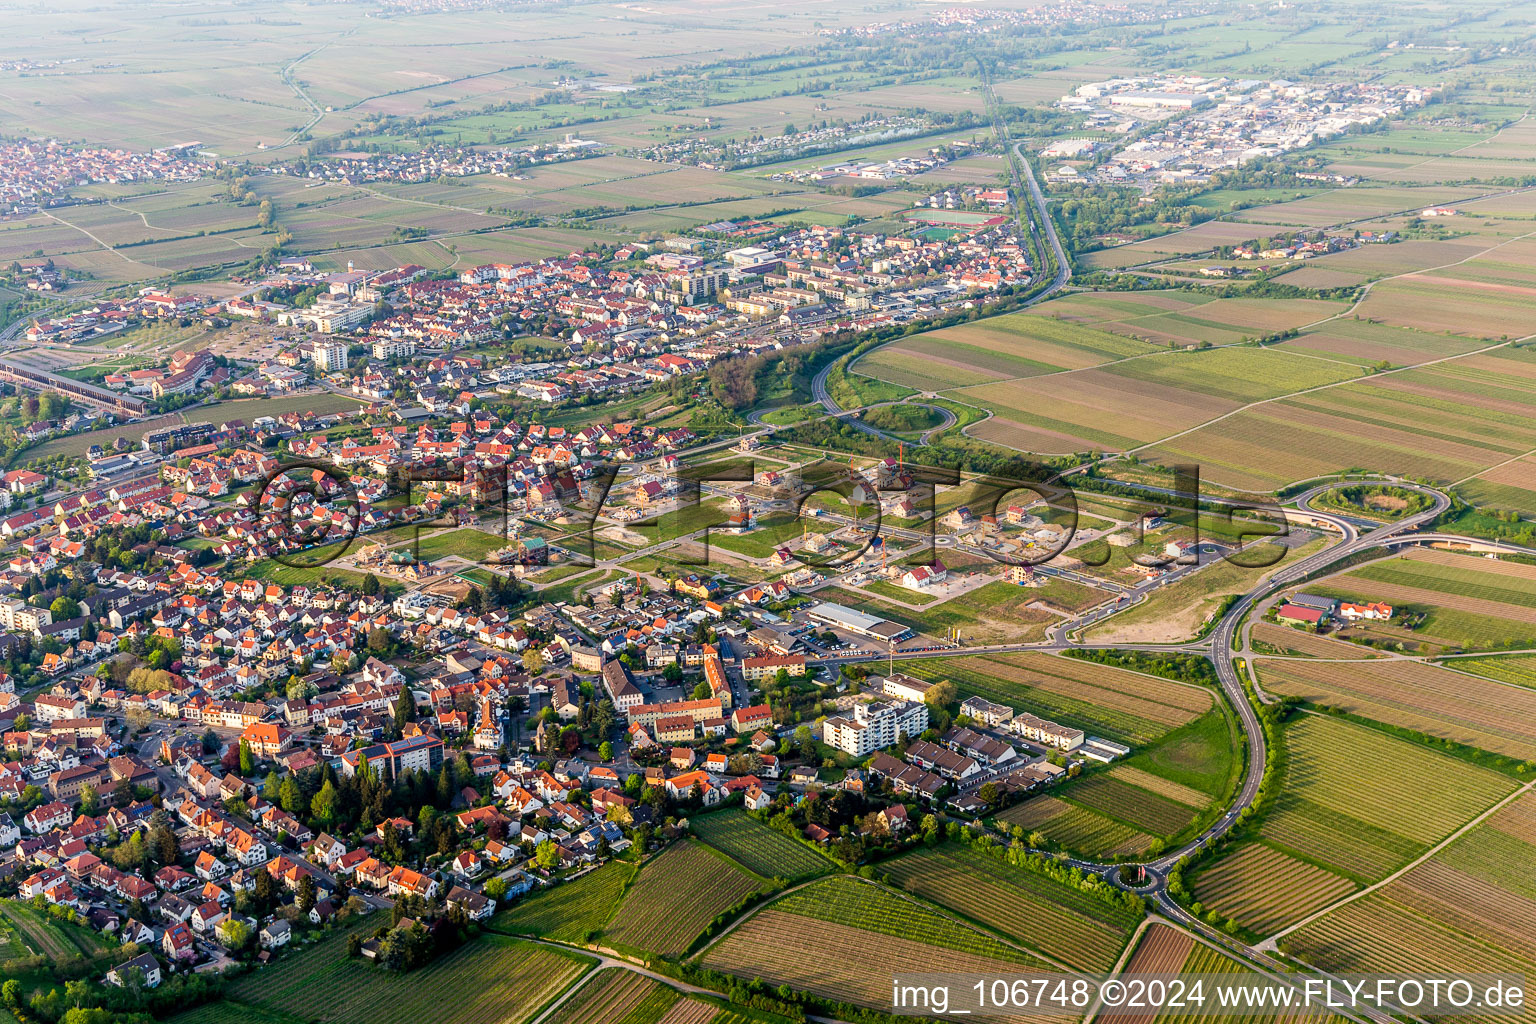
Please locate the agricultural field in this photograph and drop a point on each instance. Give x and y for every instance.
(1165, 950)
(762, 850)
(1517, 669)
(1469, 907)
(1460, 601)
(491, 980)
(1425, 698)
(1367, 343)
(616, 994)
(1291, 641)
(571, 911)
(676, 895)
(1186, 242)
(820, 939)
(999, 611)
(45, 935)
(1446, 422)
(1056, 920)
(1356, 204)
(1361, 803)
(1114, 702)
(858, 904)
(1263, 889)
(1148, 811)
(1139, 402)
(998, 348)
(1076, 828)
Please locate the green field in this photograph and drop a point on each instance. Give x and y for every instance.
(491, 980)
(571, 911)
(1109, 701)
(762, 850)
(1465, 602)
(854, 904)
(1059, 921)
(1361, 803)
(676, 895)
(47, 936)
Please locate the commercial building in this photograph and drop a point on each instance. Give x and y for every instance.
(854, 621)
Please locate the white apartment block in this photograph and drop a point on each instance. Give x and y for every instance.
(330, 356)
(394, 348)
(875, 726)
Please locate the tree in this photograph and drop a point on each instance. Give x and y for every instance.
(236, 934)
(546, 855)
(702, 691)
(90, 800)
(247, 760)
(371, 585)
(323, 806)
(64, 608)
(380, 641)
(306, 898)
(163, 845)
(941, 694)
(292, 796)
(265, 892)
(533, 661)
(605, 751)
